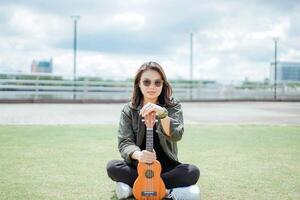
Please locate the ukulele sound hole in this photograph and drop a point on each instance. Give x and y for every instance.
(149, 173)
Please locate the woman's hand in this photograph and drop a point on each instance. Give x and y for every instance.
(151, 107)
(145, 156)
(150, 120)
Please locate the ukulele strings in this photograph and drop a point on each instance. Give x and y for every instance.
(149, 187)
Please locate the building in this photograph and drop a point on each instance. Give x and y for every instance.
(287, 72)
(42, 66)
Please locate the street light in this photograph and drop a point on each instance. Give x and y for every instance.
(191, 66)
(275, 39)
(75, 18)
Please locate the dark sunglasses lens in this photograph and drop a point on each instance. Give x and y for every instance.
(146, 83)
(157, 83)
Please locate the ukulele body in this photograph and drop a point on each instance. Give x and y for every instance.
(149, 184)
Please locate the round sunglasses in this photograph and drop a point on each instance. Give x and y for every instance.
(157, 83)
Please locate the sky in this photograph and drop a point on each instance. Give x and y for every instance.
(232, 40)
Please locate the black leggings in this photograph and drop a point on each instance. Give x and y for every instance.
(180, 176)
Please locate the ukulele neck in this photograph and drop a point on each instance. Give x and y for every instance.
(149, 139)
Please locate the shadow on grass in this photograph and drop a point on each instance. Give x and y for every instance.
(114, 196)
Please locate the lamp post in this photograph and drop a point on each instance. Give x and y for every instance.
(191, 66)
(275, 39)
(75, 19)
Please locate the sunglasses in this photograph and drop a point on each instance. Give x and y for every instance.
(157, 83)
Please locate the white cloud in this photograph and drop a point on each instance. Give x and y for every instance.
(132, 21)
(231, 41)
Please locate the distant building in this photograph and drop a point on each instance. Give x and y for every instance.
(42, 66)
(286, 72)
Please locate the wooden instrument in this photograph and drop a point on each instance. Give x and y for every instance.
(149, 184)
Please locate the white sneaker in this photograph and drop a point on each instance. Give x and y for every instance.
(123, 190)
(191, 192)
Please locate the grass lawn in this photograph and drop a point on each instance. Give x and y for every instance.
(68, 162)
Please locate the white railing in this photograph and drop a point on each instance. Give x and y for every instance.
(18, 89)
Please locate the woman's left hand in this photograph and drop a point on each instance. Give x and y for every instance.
(151, 107)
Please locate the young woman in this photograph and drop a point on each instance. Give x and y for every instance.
(152, 94)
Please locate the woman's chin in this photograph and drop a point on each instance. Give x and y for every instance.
(151, 97)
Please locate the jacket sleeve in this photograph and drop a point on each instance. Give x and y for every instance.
(126, 139)
(176, 123)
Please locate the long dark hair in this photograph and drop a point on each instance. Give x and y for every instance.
(165, 96)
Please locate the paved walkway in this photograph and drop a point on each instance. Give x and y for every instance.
(281, 113)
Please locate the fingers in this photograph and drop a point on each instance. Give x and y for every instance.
(147, 157)
(148, 108)
(150, 120)
(150, 117)
(147, 121)
(145, 108)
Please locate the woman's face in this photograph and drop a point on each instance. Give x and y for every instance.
(151, 84)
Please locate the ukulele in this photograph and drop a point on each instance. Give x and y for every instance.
(149, 184)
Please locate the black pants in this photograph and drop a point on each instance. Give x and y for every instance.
(179, 176)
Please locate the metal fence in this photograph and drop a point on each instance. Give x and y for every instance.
(16, 88)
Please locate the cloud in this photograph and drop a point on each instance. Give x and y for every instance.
(232, 39)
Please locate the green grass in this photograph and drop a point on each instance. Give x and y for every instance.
(68, 162)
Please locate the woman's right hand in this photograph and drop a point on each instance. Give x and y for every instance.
(150, 120)
(145, 156)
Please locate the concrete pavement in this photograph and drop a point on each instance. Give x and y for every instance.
(274, 113)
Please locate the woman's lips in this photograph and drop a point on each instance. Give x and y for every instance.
(151, 92)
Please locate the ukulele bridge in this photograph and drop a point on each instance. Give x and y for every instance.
(148, 193)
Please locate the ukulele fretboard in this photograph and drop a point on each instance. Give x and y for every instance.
(149, 139)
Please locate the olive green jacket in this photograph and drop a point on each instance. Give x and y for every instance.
(132, 131)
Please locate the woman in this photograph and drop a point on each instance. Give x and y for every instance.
(152, 94)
